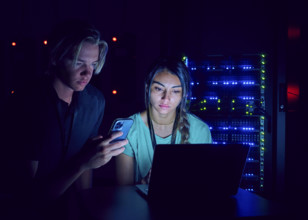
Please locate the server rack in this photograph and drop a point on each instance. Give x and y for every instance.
(228, 93)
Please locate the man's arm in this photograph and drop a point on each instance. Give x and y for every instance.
(95, 154)
(85, 180)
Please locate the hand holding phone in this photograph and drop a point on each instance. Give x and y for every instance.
(121, 124)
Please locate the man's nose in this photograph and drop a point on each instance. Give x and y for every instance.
(88, 70)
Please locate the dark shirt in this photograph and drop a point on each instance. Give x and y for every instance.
(51, 131)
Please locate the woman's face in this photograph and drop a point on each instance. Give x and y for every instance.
(166, 92)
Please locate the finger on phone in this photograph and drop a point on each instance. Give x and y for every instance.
(116, 134)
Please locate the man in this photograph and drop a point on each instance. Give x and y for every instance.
(54, 132)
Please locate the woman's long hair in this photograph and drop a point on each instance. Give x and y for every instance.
(179, 69)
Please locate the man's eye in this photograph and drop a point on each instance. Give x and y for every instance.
(176, 91)
(78, 63)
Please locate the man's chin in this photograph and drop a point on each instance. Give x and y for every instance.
(79, 88)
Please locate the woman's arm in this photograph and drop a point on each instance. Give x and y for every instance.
(125, 170)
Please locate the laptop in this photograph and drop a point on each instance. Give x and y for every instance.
(195, 171)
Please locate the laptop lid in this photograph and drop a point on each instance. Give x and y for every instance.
(197, 170)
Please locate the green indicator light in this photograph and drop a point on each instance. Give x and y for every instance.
(218, 108)
(263, 87)
(263, 62)
(247, 113)
(233, 109)
(218, 100)
(233, 101)
(263, 78)
(263, 55)
(263, 71)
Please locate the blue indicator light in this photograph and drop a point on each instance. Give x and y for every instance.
(248, 83)
(213, 97)
(248, 129)
(248, 143)
(248, 98)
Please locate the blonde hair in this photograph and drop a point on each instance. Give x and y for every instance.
(66, 42)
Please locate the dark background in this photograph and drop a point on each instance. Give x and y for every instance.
(148, 29)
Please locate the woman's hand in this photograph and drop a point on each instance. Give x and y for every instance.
(146, 179)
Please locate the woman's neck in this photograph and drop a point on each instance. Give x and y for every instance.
(163, 126)
(162, 120)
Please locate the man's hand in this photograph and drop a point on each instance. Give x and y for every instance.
(98, 151)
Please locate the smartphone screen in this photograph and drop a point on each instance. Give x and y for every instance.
(121, 124)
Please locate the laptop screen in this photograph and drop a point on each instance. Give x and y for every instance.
(197, 169)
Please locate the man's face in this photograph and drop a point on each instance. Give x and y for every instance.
(77, 76)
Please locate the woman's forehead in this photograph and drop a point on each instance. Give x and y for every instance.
(165, 77)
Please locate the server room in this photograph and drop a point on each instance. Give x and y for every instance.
(246, 60)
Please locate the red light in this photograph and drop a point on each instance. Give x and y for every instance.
(12, 92)
(114, 92)
(114, 39)
(293, 97)
(293, 92)
(45, 42)
(13, 44)
(294, 32)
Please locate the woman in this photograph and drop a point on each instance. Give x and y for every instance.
(166, 120)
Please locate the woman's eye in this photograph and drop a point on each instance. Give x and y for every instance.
(176, 91)
(157, 89)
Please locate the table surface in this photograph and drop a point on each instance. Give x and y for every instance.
(127, 203)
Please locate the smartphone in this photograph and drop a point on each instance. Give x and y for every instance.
(121, 124)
